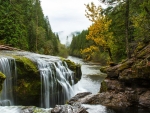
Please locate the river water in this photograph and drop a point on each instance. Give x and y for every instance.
(90, 82)
(91, 76)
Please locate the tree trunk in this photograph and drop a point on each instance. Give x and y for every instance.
(127, 28)
(36, 33)
(110, 55)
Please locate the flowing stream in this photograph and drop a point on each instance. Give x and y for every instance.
(90, 81)
(56, 80)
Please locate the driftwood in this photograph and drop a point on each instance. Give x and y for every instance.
(6, 47)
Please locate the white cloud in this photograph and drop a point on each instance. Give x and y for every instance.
(66, 15)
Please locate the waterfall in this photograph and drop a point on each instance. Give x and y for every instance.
(7, 67)
(55, 77)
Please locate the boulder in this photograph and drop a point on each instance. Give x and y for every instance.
(113, 85)
(127, 84)
(69, 109)
(78, 97)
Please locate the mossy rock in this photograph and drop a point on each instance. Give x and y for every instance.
(125, 65)
(144, 52)
(103, 69)
(104, 87)
(140, 46)
(70, 64)
(75, 68)
(28, 85)
(28, 91)
(26, 68)
(2, 78)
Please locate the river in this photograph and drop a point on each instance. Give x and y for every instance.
(90, 82)
(91, 76)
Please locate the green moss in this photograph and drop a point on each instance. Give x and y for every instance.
(28, 85)
(76, 68)
(140, 47)
(142, 53)
(2, 78)
(125, 65)
(70, 64)
(26, 63)
(104, 69)
(103, 87)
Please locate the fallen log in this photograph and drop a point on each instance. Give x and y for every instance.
(5, 47)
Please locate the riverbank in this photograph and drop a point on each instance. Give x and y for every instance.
(127, 83)
(126, 87)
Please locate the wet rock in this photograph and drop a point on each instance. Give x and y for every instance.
(27, 110)
(108, 84)
(69, 109)
(144, 99)
(113, 99)
(57, 109)
(77, 97)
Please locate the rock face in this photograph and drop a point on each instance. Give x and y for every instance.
(128, 83)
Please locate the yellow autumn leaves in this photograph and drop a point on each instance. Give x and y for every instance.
(98, 31)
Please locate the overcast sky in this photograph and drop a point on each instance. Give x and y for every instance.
(66, 16)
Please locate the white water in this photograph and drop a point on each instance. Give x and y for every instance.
(23, 109)
(56, 78)
(91, 76)
(53, 74)
(7, 67)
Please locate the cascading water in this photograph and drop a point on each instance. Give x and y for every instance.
(55, 88)
(7, 67)
(56, 79)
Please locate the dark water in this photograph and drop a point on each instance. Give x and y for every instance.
(90, 81)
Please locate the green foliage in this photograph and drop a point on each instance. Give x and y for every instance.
(78, 42)
(138, 25)
(63, 51)
(23, 25)
(129, 27)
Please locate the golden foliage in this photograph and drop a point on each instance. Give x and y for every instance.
(98, 31)
(88, 52)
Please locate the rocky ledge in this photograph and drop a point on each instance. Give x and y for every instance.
(127, 83)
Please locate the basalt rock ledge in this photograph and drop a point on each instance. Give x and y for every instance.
(128, 83)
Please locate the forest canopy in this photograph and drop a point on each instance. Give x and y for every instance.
(24, 26)
(115, 31)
